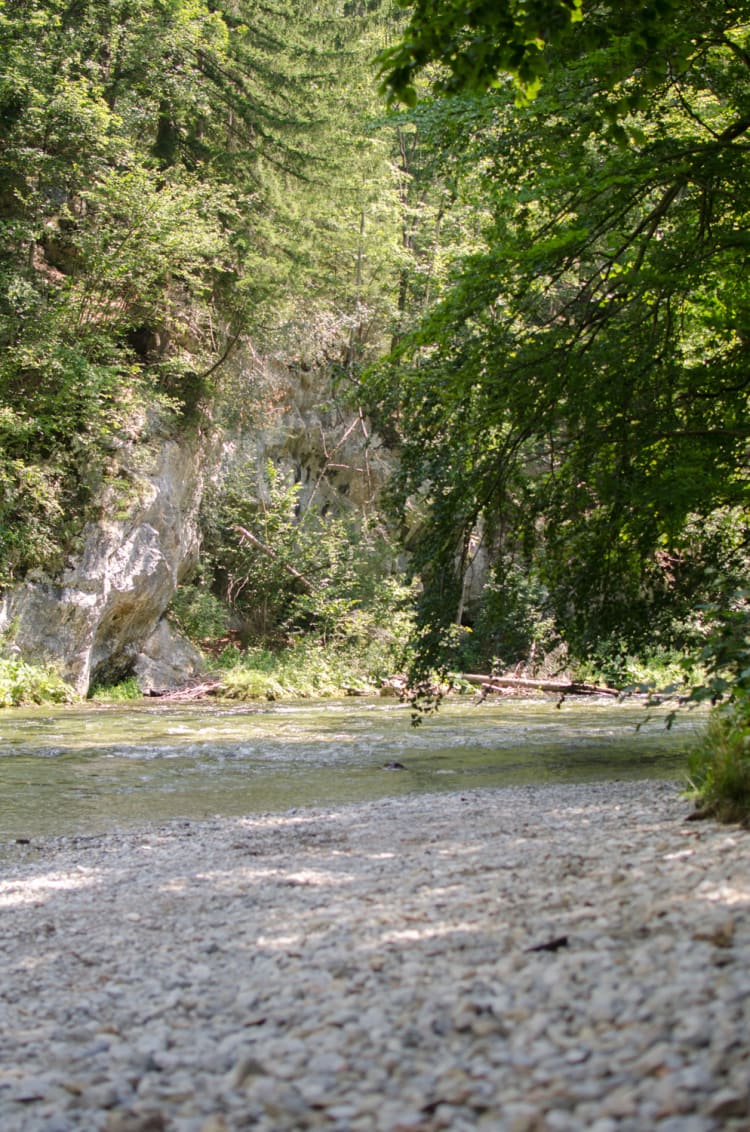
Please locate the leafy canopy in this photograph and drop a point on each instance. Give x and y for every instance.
(473, 43)
(580, 394)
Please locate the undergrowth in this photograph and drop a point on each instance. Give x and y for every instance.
(720, 764)
(656, 672)
(124, 692)
(22, 683)
(307, 669)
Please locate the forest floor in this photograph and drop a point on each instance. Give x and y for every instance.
(543, 959)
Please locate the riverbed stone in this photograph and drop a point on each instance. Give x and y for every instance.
(342, 977)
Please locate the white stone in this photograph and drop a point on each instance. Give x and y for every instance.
(416, 1004)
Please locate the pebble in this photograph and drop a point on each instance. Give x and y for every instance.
(523, 960)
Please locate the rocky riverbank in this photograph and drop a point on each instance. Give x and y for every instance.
(547, 959)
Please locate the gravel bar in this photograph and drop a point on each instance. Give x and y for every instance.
(546, 959)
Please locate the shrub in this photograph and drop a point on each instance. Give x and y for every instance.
(123, 692)
(309, 668)
(720, 766)
(198, 614)
(22, 683)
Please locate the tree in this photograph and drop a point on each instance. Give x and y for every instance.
(465, 46)
(155, 201)
(474, 43)
(99, 251)
(581, 392)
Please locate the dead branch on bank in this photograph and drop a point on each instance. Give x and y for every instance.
(190, 692)
(248, 536)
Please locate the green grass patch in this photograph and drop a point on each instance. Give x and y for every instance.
(720, 764)
(22, 683)
(658, 672)
(306, 670)
(124, 692)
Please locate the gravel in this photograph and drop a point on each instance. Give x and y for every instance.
(545, 959)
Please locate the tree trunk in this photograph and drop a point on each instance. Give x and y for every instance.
(497, 683)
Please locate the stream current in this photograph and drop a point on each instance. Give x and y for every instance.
(89, 769)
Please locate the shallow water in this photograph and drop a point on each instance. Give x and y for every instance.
(87, 769)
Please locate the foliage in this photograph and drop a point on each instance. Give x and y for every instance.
(305, 670)
(512, 624)
(166, 189)
(726, 652)
(124, 692)
(286, 570)
(313, 596)
(310, 668)
(461, 45)
(22, 683)
(579, 394)
(473, 43)
(720, 765)
(659, 674)
(197, 613)
(719, 779)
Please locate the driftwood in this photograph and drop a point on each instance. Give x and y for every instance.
(191, 691)
(524, 683)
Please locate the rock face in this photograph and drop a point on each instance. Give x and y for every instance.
(92, 622)
(312, 438)
(100, 620)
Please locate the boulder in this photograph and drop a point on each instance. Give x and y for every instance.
(166, 661)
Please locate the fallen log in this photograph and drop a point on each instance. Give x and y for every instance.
(491, 683)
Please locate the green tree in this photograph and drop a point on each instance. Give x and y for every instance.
(161, 162)
(581, 391)
(474, 42)
(461, 45)
(98, 251)
(288, 569)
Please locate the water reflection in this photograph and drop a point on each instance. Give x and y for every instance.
(87, 769)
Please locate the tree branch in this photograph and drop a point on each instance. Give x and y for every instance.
(248, 536)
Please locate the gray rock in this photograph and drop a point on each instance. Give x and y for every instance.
(367, 999)
(93, 620)
(166, 661)
(728, 1102)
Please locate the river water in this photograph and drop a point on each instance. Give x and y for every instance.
(88, 769)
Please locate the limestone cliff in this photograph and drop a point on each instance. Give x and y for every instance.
(101, 618)
(313, 435)
(93, 619)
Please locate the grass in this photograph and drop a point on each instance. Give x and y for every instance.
(124, 692)
(720, 765)
(306, 670)
(658, 672)
(22, 683)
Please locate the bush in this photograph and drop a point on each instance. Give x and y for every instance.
(22, 683)
(720, 766)
(660, 671)
(512, 626)
(309, 668)
(198, 614)
(285, 570)
(123, 692)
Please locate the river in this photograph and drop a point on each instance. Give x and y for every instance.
(87, 769)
